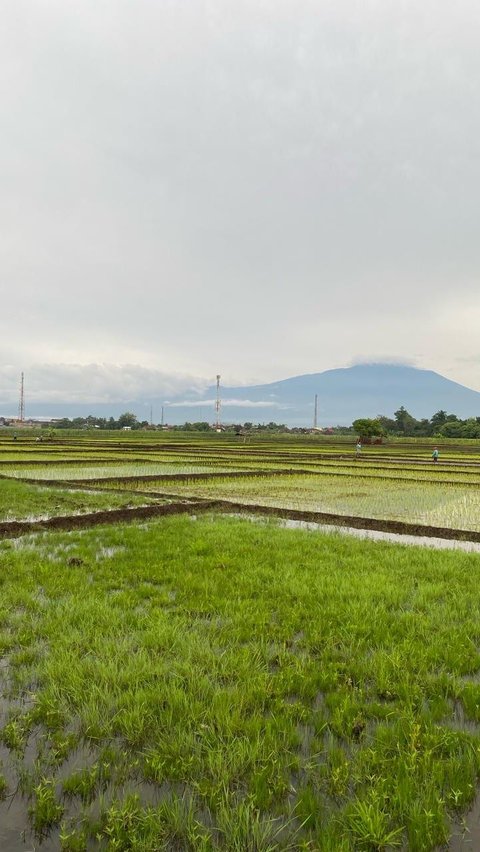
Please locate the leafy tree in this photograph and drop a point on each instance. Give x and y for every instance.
(438, 419)
(127, 419)
(387, 423)
(368, 428)
(406, 422)
(471, 428)
(461, 428)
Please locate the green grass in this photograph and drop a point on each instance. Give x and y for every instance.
(436, 504)
(220, 684)
(20, 501)
(267, 688)
(92, 470)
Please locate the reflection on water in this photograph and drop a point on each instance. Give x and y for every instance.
(370, 535)
(376, 535)
(465, 835)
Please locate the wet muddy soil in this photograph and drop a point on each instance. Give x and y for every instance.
(356, 522)
(13, 529)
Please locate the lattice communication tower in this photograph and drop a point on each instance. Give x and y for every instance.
(21, 403)
(218, 405)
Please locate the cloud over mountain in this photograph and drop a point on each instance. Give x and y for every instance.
(363, 390)
(247, 188)
(94, 383)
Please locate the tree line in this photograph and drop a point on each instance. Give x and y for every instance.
(405, 424)
(402, 424)
(129, 420)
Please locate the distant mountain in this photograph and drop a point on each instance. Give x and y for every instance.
(343, 395)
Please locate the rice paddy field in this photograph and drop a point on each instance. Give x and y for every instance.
(181, 671)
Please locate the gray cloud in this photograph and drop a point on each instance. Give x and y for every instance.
(93, 383)
(260, 189)
(228, 403)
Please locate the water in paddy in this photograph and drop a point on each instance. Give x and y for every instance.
(15, 832)
(396, 538)
(466, 835)
(369, 535)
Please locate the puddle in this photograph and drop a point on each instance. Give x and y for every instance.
(109, 552)
(376, 535)
(366, 529)
(16, 834)
(14, 839)
(460, 722)
(466, 834)
(305, 735)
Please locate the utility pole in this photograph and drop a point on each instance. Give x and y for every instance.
(21, 404)
(316, 412)
(151, 416)
(162, 415)
(217, 405)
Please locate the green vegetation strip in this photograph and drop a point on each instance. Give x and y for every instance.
(129, 473)
(20, 500)
(80, 473)
(13, 529)
(419, 503)
(221, 685)
(177, 504)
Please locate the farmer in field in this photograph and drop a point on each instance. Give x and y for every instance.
(358, 448)
(435, 455)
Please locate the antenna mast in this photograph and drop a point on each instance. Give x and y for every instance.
(21, 404)
(316, 412)
(218, 404)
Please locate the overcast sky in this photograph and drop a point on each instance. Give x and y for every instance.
(256, 188)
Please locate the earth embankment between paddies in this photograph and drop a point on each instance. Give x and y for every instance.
(15, 529)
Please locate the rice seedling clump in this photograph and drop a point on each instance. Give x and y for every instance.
(214, 683)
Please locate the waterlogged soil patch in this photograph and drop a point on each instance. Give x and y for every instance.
(395, 538)
(13, 529)
(22, 501)
(352, 523)
(378, 529)
(229, 685)
(465, 835)
(419, 504)
(111, 472)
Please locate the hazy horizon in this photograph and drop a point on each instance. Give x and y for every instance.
(255, 190)
(363, 390)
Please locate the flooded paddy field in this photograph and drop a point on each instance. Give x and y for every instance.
(25, 501)
(442, 504)
(193, 680)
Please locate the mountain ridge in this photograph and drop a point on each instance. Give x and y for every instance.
(344, 393)
(365, 390)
